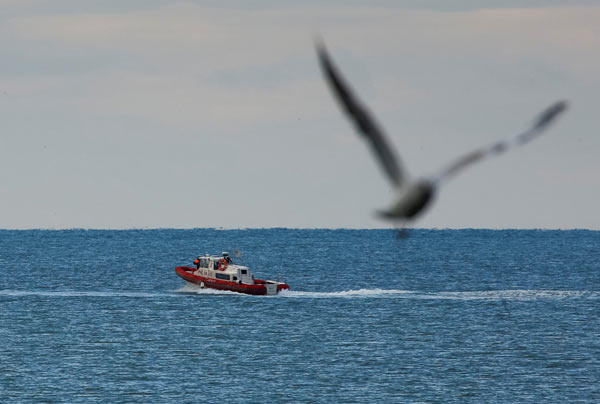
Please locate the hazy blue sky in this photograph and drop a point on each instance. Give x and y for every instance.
(198, 114)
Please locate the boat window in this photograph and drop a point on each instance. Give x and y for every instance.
(222, 276)
(244, 272)
(235, 278)
(203, 263)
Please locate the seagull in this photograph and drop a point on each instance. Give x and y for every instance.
(414, 195)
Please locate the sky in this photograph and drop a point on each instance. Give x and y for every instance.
(153, 114)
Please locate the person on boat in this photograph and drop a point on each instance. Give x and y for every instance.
(227, 258)
(197, 262)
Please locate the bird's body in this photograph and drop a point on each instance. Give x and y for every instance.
(415, 195)
(412, 200)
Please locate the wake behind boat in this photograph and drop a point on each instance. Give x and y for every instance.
(220, 273)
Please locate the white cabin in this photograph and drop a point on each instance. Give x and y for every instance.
(209, 268)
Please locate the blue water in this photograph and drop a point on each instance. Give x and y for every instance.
(442, 316)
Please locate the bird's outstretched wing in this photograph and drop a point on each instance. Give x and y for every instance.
(538, 127)
(364, 122)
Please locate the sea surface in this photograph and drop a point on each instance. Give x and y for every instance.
(440, 316)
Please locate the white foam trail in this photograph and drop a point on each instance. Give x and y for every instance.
(516, 294)
(346, 293)
(47, 293)
(191, 288)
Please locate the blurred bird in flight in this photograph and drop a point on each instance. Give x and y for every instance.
(414, 195)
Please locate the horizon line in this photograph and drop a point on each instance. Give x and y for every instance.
(300, 228)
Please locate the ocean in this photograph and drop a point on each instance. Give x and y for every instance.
(440, 316)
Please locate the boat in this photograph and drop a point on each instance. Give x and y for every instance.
(219, 272)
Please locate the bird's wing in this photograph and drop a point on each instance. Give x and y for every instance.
(363, 121)
(540, 124)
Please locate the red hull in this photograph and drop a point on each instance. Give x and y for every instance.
(258, 288)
